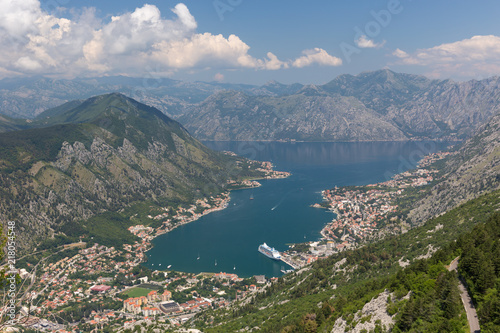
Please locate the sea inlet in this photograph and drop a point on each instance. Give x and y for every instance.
(279, 212)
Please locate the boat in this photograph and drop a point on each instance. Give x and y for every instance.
(251, 196)
(215, 262)
(285, 271)
(234, 268)
(169, 266)
(269, 252)
(198, 257)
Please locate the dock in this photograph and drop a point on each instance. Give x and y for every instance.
(289, 262)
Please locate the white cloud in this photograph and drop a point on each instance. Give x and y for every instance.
(476, 56)
(219, 77)
(18, 17)
(26, 63)
(34, 41)
(364, 42)
(316, 56)
(273, 63)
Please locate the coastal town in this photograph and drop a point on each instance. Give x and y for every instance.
(360, 210)
(110, 287)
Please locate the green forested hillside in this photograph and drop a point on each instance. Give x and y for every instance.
(314, 298)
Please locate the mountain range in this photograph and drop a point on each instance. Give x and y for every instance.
(380, 105)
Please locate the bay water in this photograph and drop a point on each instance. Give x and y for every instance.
(279, 212)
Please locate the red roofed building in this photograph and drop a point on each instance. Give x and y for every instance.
(100, 288)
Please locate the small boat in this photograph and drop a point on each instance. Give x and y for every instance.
(160, 265)
(198, 258)
(234, 268)
(169, 266)
(215, 262)
(251, 196)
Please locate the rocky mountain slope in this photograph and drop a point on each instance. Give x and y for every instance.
(475, 170)
(380, 105)
(238, 116)
(103, 154)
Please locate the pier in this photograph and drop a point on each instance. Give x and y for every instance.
(289, 262)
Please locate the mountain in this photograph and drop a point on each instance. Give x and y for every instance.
(473, 171)
(99, 156)
(231, 115)
(380, 105)
(378, 90)
(8, 124)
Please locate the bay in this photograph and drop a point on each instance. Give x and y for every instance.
(279, 213)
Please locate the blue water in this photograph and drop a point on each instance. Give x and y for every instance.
(280, 212)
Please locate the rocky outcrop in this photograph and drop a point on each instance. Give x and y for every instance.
(374, 314)
(472, 172)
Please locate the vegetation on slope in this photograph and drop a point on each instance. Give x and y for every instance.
(348, 280)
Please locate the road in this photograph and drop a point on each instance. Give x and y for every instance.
(467, 301)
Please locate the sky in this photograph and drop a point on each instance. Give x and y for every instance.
(249, 41)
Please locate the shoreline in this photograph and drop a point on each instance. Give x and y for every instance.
(327, 141)
(223, 202)
(354, 210)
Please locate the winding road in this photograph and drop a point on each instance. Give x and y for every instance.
(467, 301)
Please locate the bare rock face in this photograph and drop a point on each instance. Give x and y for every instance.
(69, 153)
(375, 310)
(100, 152)
(472, 172)
(128, 152)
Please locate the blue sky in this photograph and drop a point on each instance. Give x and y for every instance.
(247, 41)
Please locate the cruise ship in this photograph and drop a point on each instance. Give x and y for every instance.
(269, 252)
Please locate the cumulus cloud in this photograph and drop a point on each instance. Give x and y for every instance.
(34, 41)
(476, 56)
(316, 56)
(363, 42)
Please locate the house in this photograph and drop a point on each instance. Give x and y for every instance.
(260, 279)
(165, 297)
(152, 295)
(100, 288)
